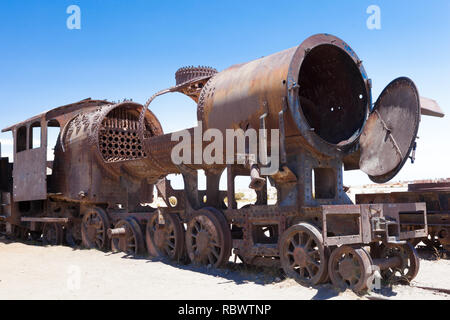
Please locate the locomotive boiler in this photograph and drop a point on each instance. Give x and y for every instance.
(314, 106)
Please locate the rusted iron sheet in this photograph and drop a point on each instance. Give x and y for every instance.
(30, 175)
(437, 216)
(386, 142)
(238, 96)
(426, 187)
(360, 223)
(437, 201)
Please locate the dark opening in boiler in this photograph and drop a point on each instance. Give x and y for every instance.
(332, 93)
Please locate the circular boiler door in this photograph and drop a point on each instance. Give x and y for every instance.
(391, 130)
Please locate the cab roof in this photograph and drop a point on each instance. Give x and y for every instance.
(53, 113)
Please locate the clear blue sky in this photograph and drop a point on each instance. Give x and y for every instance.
(131, 49)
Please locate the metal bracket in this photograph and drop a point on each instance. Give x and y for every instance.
(263, 143)
(283, 132)
(413, 153)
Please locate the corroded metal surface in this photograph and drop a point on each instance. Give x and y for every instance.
(110, 156)
(165, 236)
(436, 196)
(350, 268)
(303, 254)
(127, 237)
(407, 265)
(208, 238)
(386, 141)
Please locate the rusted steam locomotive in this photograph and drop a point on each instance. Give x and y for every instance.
(109, 157)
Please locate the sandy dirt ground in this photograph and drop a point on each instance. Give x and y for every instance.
(37, 272)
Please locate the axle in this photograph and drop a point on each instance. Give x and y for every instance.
(388, 263)
(116, 233)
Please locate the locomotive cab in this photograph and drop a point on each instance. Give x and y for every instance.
(31, 163)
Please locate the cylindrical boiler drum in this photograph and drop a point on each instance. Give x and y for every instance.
(320, 84)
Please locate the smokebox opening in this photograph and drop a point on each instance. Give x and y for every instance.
(332, 93)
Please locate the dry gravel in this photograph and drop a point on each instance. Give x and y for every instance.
(36, 272)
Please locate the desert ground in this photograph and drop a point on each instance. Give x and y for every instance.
(36, 272)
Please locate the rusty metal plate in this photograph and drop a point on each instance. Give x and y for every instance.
(390, 132)
(29, 173)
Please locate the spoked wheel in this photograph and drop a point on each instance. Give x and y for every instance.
(432, 240)
(131, 240)
(165, 236)
(350, 268)
(35, 235)
(409, 266)
(208, 238)
(52, 234)
(94, 229)
(73, 234)
(19, 233)
(302, 254)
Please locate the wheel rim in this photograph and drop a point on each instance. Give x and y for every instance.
(432, 240)
(410, 262)
(167, 239)
(350, 268)
(73, 234)
(19, 232)
(415, 242)
(303, 255)
(207, 242)
(52, 234)
(93, 229)
(131, 242)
